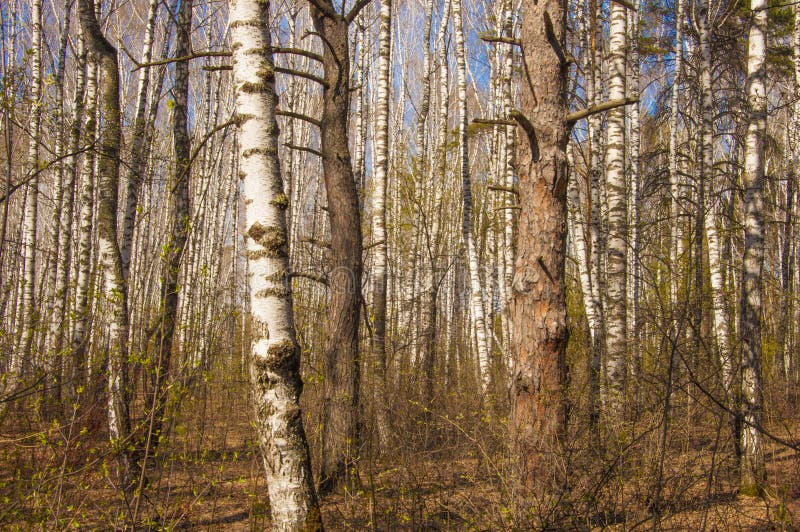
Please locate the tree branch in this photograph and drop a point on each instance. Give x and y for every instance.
(299, 116)
(498, 188)
(599, 108)
(361, 4)
(321, 279)
(487, 37)
(193, 55)
(626, 4)
(301, 74)
(325, 7)
(320, 243)
(303, 148)
(530, 132)
(493, 122)
(297, 51)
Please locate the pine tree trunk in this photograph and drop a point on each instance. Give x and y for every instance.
(539, 311)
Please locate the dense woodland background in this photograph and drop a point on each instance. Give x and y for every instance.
(127, 314)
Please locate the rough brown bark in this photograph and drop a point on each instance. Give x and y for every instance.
(539, 311)
(342, 373)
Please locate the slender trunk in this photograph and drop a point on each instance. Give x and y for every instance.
(22, 355)
(539, 309)
(115, 286)
(616, 317)
(476, 290)
(634, 172)
(753, 469)
(85, 224)
(425, 97)
(179, 220)
(429, 305)
(674, 176)
(379, 210)
(61, 225)
(66, 216)
(342, 366)
(139, 146)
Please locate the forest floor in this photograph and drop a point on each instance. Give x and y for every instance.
(209, 478)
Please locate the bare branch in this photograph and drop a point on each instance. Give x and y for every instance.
(299, 116)
(301, 74)
(321, 279)
(599, 108)
(325, 7)
(297, 51)
(193, 55)
(361, 4)
(493, 122)
(498, 188)
(303, 148)
(488, 37)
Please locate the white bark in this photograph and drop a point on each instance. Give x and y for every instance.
(476, 297)
(85, 228)
(674, 176)
(140, 143)
(753, 469)
(616, 317)
(21, 358)
(275, 354)
(379, 208)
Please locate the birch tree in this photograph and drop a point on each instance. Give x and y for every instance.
(476, 291)
(379, 205)
(275, 353)
(752, 464)
(616, 316)
(116, 292)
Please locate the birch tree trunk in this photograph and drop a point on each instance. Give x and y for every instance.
(63, 201)
(616, 317)
(66, 217)
(438, 176)
(140, 146)
(379, 210)
(674, 176)
(539, 309)
(275, 353)
(476, 291)
(634, 174)
(784, 356)
(116, 291)
(711, 220)
(753, 469)
(22, 355)
(85, 224)
(179, 222)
